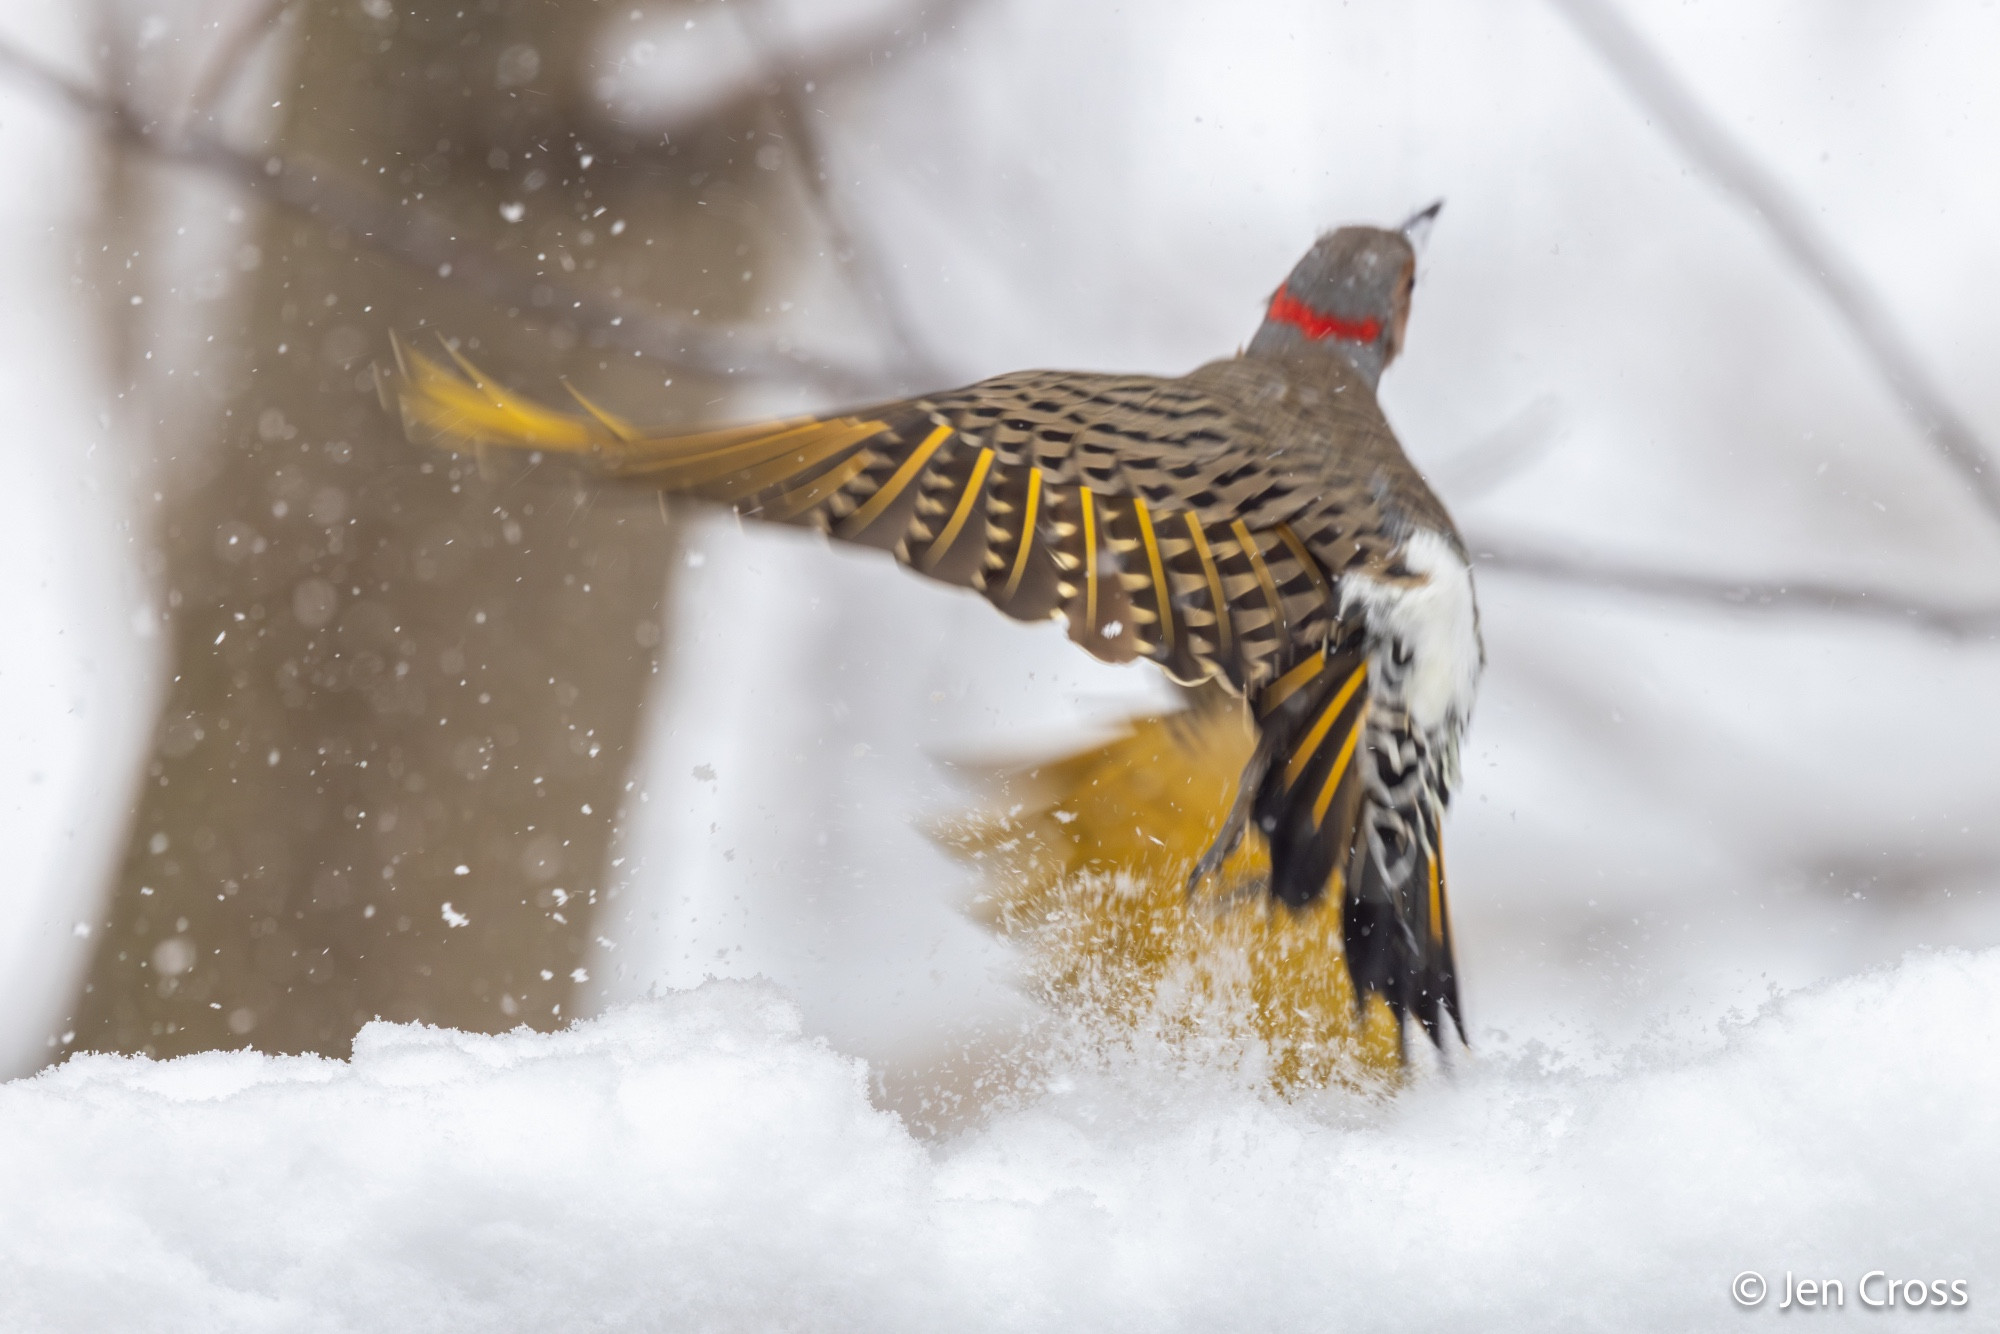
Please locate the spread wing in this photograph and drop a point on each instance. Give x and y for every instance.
(1150, 513)
(1140, 509)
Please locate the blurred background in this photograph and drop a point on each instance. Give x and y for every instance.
(300, 726)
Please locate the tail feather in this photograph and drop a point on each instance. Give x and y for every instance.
(1329, 832)
(1398, 936)
(1308, 801)
(1441, 970)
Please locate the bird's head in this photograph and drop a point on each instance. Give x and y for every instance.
(1351, 293)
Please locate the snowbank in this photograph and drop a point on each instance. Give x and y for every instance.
(696, 1163)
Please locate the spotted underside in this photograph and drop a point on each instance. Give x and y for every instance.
(1203, 523)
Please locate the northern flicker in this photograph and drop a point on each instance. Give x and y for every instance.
(1253, 523)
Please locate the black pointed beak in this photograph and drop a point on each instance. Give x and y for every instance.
(1418, 224)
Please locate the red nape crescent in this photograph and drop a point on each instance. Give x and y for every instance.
(1288, 309)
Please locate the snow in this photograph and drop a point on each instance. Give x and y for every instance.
(697, 1162)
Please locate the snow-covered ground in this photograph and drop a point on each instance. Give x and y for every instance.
(696, 1162)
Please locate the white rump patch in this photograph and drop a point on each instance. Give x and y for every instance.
(1439, 621)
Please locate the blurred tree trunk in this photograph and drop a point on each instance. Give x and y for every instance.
(404, 692)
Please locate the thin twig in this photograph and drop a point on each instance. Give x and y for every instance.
(1796, 595)
(425, 240)
(231, 53)
(1710, 148)
(114, 219)
(1502, 454)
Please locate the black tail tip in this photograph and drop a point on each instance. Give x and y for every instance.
(1384, 959)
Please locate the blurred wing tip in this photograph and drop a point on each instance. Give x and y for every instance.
(618, 426)
(456, 406)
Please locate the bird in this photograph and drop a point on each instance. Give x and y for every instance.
(1252, 527)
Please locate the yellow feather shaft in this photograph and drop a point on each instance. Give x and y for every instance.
(1340, 762)
(669, 460)
(1162, 594)
(1089, 559)
(524, 414)
(618, 426)
(1027, 531)
(1437, 898)
(444, 405)
(469, 408)
(1288, 685)
(898, 482)
(973, 486)
(1215, 594)
(1305, 558)
(1263, 571)
(1308, 747)
(791, 504)
(819, 446)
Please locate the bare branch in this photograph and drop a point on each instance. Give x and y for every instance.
(425, 240)
(1710, 148)
(1796, 595)
(820, 64)
(856, 253)
(853, 251)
